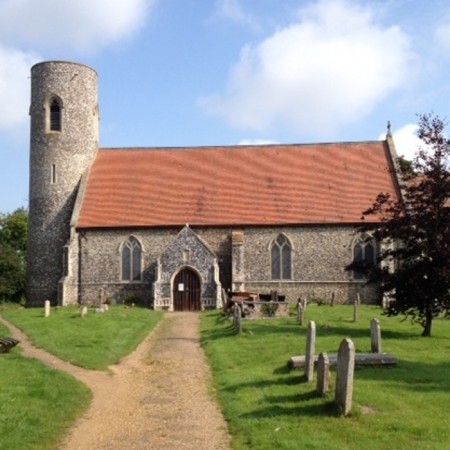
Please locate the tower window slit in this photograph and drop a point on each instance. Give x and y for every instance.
(53, 173)
(55, 116)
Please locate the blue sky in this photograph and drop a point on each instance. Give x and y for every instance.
(219, 72)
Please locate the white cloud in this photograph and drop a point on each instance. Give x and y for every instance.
(442, 36)
(406, 141)
(257, 142)
(233, 10)
(81, 25)
(14, 86)
(329, 69)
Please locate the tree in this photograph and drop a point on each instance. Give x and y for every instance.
(413, 263)
(13, 246)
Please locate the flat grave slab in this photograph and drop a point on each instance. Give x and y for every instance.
(361, 359)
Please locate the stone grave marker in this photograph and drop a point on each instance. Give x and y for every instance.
(300, 313)
(375, 336)
(83, 311)
(237, 318)
(323, 374)
(47, 308)
(305, 303)
(310, 350)
(344, 376)
(355, 308)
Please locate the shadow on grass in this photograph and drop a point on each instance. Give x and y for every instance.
(220, 333)
(327, 409)
(290, 380)
(343, 332)
(411, 375)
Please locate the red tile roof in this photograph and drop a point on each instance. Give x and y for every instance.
(241, 185)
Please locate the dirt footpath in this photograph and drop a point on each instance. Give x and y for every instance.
(159, 397)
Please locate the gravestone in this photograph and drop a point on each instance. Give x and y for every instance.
(310, 350)
(305, 303)
(237, 318)
(355, 308)
(375, 336)
(323, 374)
(83, 311)
(300, 313)
(47, 308)
(102, 295)
(344, 376)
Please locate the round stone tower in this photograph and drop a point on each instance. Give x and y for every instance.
(64, 142)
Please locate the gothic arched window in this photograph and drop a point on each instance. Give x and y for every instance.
(364, 253)
(281, 258)
(55, 115)
(131, 255)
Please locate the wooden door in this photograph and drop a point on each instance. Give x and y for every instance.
(186, 291)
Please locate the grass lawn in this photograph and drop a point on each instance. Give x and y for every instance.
(269, 406)
(95, 341)
(38, 404)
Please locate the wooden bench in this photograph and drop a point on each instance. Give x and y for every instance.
(7, 344)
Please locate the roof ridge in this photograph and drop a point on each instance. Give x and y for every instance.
(246, 146)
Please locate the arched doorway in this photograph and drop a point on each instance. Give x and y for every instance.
(186, 291)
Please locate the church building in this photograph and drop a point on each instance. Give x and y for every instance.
(175, 228)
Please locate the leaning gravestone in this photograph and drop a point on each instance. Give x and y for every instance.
(323, 374)
(310, 350)
(375, 336)
(47, 308)
(344, 376)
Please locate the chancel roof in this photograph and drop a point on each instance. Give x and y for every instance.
(239, 185)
